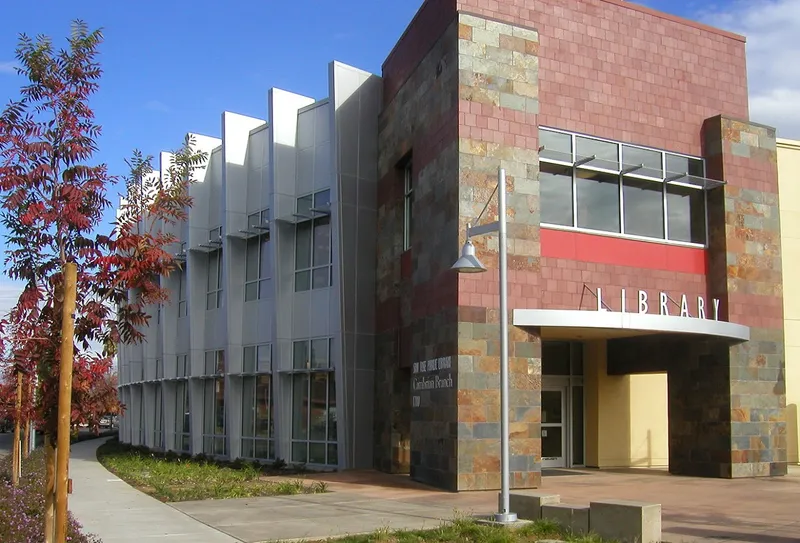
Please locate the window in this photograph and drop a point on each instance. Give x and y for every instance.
(599, 185)
(214, 285)
(182, 418)
(159, 369)
(182, 309)
(214, 363)
(314, 418)
(598, 200)
(182, 366)
(686, 214)
(158, 426)
(313, 267)
(314, 425)
(214, 439)
(312, 354)
(555, 190)
(408, 204)
(644, 207)
(257, 359)
(257, 263)
(257, 425)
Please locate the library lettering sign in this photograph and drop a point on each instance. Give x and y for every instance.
(430, 375)
(699, 309)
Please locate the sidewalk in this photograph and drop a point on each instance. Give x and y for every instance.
(117, 513)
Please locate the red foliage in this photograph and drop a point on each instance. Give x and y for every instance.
(52, 204)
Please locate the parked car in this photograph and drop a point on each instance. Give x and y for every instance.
(105, 422)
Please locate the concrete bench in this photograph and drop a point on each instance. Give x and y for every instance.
(527, 504)
(574, 518)
(626, 521)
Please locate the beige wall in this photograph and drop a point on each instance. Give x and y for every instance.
(626, 416)
(789, 194)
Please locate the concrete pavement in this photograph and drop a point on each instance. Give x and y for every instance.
(694, 509)
(118, 513)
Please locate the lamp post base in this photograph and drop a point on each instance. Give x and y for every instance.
(505, 518)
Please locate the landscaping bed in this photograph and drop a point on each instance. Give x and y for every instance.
(467, 530)
(174, 478)
(22, 508)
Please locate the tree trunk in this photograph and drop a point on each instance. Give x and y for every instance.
(65, 398)
(26, 440)
(49, 491)
(16, 460)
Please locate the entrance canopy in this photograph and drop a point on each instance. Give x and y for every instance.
(578, 324)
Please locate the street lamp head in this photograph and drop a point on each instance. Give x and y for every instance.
(468, 263)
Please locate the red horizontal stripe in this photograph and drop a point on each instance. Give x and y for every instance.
(583, 247)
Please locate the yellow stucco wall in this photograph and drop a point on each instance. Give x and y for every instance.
(789, 194)
(626, 416)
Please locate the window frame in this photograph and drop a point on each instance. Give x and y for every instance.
(218, 441)
(408, 203)
(182, 435)
(216, 365)
(249, 437)
(257, 349)
(312, 222)
(577, 163)
(182, 284)
(263, 237)
(214, 292)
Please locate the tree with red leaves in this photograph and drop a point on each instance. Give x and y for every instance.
(52, 203)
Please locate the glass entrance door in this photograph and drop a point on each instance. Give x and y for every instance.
(553, 434)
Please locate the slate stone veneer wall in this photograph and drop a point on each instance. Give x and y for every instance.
(727, 406)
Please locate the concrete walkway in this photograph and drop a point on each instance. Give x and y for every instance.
(117, 513)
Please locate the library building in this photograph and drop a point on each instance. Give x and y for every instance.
(319, 317)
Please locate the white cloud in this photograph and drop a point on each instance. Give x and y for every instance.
(773, 52)
(8, 67)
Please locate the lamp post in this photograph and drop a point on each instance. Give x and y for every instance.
(469, 263)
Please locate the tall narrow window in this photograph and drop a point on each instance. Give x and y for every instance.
(182, 293)
(182, 363)
(257, 425)
(182, 417)
(313, 262)
(214, 285)
(257, 259)
(314, 424)
(158, 423)
(408, 205)
(214, 417)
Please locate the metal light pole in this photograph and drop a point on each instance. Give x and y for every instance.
(469, 263)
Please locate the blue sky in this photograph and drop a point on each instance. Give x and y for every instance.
(173, 66)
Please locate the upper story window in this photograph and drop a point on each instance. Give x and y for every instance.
(313, 263)
(214, 363)
(214, 284)
(182, 308)
(605, 186)
(408, 204)
(257, 264)
(257, 358)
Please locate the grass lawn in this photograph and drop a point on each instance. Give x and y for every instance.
(183, 479)
(469, 531)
